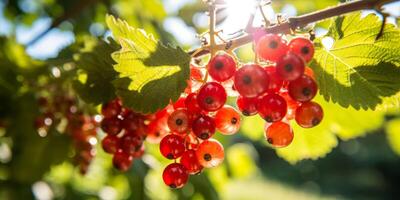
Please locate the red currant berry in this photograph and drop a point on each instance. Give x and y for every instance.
(303, 47)
(122, 161)
(85, 155)
(195, 73)
(110, 144)
(175, 175)
(275, 82)
(180, 103)
(290, 67)
(172, 146)
(40, 122)
(279, 134)
(272, 107)
(211, 97)
(309, 114)
(111, 126)
(158, 126)
(303, 89)
(271, 47)
(191, 103)
(248, 106)
(192, 141)
(131, 121)
(309, 72)
(111, 109)
(83, 168)
(139, 153)
(222, 67)
(292, 105)
(131, 143)
(196, 79)
(251, 80)
(190, 161)
(210, 153)
(203, 127)
(178, 121)
(227, 120)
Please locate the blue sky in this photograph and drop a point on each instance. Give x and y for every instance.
(55, 40)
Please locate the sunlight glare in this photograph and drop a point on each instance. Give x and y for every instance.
(239, 12)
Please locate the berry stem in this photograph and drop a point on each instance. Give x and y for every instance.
(212, 13)
(291, 24)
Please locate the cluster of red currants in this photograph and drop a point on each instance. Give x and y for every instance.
(290, 87)
(126, 132)
(194, 120)
(81, 127)
(279, 90)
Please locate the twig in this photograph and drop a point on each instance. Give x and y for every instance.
(297, 22)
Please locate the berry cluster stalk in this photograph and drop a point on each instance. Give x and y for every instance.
(295, 22)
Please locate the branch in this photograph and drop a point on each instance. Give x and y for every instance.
(297, 22)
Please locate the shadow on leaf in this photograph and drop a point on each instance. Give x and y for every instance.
(366, 85)
(154, 88)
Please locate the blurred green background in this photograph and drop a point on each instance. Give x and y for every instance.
(351, 155)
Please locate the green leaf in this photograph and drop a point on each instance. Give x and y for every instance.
(393, 135)
(318, 141)
(358, 70)
(96, 62)
(151, 74)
